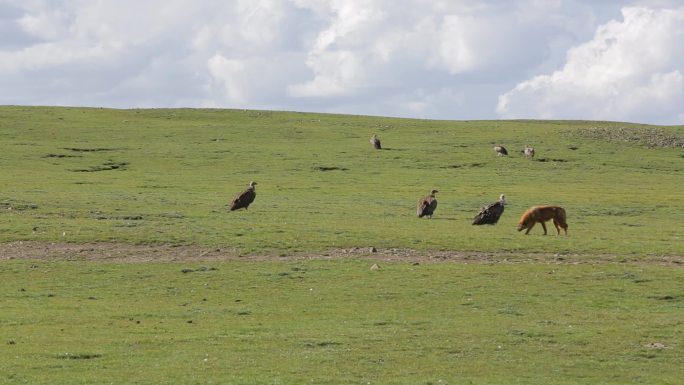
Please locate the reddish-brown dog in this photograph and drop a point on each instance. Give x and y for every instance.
(542, 214)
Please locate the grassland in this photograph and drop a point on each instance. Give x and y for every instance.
(166, 176)
(271, 296)
(339, 322)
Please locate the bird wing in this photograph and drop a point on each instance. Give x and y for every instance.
(243, 199)
(479, 219)
(489, 214)
(421, 207)
(432, 204)
(248, 196)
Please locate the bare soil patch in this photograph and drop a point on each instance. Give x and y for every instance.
(107, 166)
(652, 137)
(127, 253)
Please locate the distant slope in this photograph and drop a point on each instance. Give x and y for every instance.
(167, 175)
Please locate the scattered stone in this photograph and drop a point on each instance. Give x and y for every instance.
(656, 345)
(373, 250)
(375, 267)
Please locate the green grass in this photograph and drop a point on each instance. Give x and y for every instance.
(611, 313)
(339, 322)
(176, 170)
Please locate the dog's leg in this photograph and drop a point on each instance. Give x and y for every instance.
(544, 226)
(529, 228)
(555, 223)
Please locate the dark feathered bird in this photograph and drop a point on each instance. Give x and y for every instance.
(375, 142)
(490, 214)
(500, 150)
(426, 206)
(244, 199)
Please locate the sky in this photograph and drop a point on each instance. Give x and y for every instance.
(428, 59)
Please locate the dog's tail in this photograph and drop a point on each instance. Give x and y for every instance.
(561, 218)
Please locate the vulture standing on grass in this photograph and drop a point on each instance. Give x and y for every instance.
(426, 206)
(500, 150)
(528, 152)
(375, 142)
(244, 199)
(490, 214)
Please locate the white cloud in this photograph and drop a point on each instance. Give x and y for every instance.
(46, 24)
(447, 59)
(631, 70)
(375, 46)
(232, 74)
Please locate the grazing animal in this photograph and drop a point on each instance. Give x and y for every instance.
(542, 214)
(490, 214)
(244, 199)
(500, 150)
(528, 152)
(375, 142)
(426, 206)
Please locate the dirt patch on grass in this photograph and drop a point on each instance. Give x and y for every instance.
(647, 136)
(99, 149)
(107, 166)
(61, 156)
(550, 160)
(112, 252)
(19, 206)
(126, 253)
(330, 168)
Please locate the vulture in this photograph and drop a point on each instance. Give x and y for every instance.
(375, 142)
(528, 152)
(500, 150)
(491, 213)
(244, 199)
(426, 206)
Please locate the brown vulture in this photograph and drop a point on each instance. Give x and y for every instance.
(500, 150)
(244, 199)
(528, 152)
(375, 142)
(491, 213)
(426, 206)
